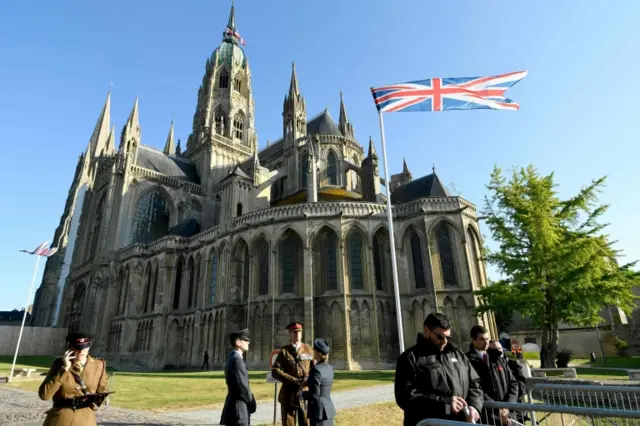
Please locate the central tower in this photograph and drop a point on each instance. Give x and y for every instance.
(223, 133)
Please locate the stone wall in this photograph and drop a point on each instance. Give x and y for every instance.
(581, 341)
(35, 340)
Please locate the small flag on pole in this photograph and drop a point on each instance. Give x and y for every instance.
(442, 94)
(42, 250)
(235, 34)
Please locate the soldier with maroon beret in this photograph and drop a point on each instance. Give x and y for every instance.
(291, 367)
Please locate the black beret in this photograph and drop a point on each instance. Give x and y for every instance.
(321, 346)
(240, 334)
(79, 340)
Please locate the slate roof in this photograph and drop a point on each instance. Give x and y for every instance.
(168, 165)
(424, 187)
(186, 228)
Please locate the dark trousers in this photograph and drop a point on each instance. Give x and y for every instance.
(206, 362)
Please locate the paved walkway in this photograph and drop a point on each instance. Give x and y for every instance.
(264, 412)
(23, 408)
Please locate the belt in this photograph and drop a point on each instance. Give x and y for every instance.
(73, 403)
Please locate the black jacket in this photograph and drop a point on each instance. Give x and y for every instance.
(320, 406)
(427, 378)
(496, 379)
(240, 402)
(518, 373)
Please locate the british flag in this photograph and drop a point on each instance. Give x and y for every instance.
(235, 34)
(42, 250)
(442, 94)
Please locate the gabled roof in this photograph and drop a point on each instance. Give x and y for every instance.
(168, 165)
(424, 187)
(321, 124)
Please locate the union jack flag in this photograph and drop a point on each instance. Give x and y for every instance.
(42, 250)
(235, 34)
(442, 94)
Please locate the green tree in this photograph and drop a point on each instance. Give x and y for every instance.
(557, 265)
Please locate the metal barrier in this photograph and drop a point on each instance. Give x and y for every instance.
(610, 397)
(547, 415)
(566, 372)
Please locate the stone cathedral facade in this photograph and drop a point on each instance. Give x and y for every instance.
(164, 251)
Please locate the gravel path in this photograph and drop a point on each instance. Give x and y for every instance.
(23, 408)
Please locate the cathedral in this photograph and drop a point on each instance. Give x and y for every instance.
(163, 252)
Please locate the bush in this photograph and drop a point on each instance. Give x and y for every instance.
(563, 356)
(621, 346)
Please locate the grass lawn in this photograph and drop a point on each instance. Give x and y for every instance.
(193, 390)
(382, 414)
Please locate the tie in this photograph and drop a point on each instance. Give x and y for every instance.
(485, 358)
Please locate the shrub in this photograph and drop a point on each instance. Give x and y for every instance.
(621, 346)
(563, 356)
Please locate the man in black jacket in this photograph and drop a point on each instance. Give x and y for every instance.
(496, 379)
(240, 402)
(435, 380)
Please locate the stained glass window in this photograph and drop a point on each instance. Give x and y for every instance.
(332, 169)
(151, 220)
(331, 249)
(416, 257)
(377, 264)
(445, 249)
(355, 260)
(224, 79)
(238, 125)
(263, 268)
(177, 285)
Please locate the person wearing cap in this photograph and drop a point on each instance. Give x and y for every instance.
(240, 402)
(321, 411)
(291, 367)
(76, 374)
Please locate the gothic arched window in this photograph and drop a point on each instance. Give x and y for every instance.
(304, 170)
(151, 219)
(219, 120)
(238, 126)
(224, 79)
(214, 279)
(290, 253)
(237, 83)
(445, 251)
(332, 169)
(330, 257)
(147, 290)
(416, 259)
(177, 285)
(263, 268)
(354, 240)
(192, 283)
(95, 229)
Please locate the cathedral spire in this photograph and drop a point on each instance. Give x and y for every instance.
(100, 135)
(294, 91)
(343, 124)
(232, 17)
(131, 130)
(372, 149)
(110, 147)
(169, 147)
(405, 168)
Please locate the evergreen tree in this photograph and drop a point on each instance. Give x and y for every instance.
(558, 266)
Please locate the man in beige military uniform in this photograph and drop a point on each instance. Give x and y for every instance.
(76, 374)
(291, 367)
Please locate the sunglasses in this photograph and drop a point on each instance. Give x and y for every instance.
(441, 336)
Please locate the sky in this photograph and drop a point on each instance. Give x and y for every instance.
(578, 115)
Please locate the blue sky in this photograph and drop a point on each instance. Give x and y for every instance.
(578, 115)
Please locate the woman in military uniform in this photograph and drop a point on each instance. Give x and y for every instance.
(69, 380)
(321, 410)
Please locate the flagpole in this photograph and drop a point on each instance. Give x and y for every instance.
(33, 280)
(394, 266)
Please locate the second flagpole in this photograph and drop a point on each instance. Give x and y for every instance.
(394, 265)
